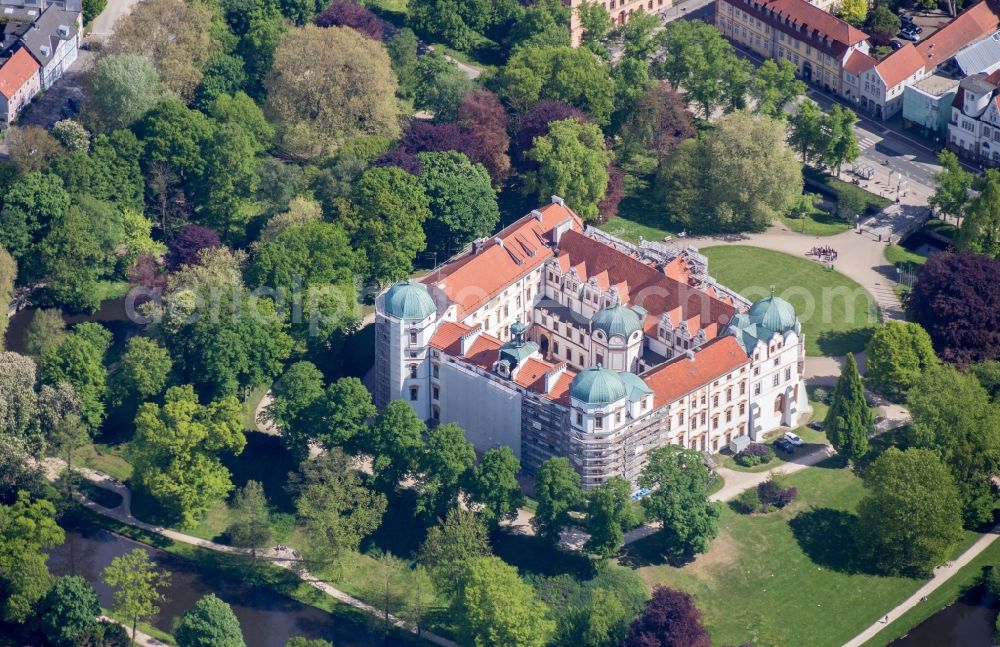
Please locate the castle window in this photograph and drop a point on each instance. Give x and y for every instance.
(756, 371)
(756, 388)
(680, 418)
(729, 416)
(743, 409)
(579, 418)
(414, 393)
(413, 371)
(437, 393)
(788, 374)
(715, 422)
(435, 370)
(413, 338)
(618, 417)
(777, 360)
(729, 394)
(599, 422)
(743, 388)
(600, 360)
(702, 417)
(555, 349)
(775, 380)
(715, 400)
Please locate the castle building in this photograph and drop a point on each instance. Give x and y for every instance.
(556, 339)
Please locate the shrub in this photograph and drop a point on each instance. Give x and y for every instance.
(773, 494)
(754, 454)
(747, 502)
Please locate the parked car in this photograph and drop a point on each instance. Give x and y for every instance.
(784, 445)
(895, 44)
(793, 439)
(910, 32)
(906, 18)
(815, 424)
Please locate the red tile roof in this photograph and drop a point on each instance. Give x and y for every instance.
(475, 278)
(814, 22)
(680, 376)
(974, 24)
(858, 62)
(899, 65)
(531, 375)
(17, 71)
(994, 79)
(484, 350)
(448, 337)
(643, 285)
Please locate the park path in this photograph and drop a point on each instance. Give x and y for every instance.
(941, 575)
(141, 639)
(287, 558)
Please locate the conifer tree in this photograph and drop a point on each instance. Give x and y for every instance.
(849, 420)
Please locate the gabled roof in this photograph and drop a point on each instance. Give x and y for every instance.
(899, 66)
(806, 22)
(475, 278)
(43, 36)
(643, 285)
(858, 62)
(17, 71)
(680, 376)
(972, 25)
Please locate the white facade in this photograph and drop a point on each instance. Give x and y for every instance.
(974, 127)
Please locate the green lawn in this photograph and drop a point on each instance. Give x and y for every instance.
(900, 256)
(632, 230)
(105, 458)
(837, 314)
(817, 224)
(250, 408)
(789, 577)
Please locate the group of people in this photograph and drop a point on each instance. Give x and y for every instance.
(825, 253)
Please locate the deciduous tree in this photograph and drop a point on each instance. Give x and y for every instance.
(31, 148)
(79, 360)
(609, 515)
(444, 463)
(458, 540)
(774, 86)
(557, 490)
(45, 331)
(980, 230)
(670, 620)
(573, 75)
(854, 12)
(18, 402)
(660, 122)
(138, 585)
(173, 35)
(497, 608)
(572, 163)
(462, 200)
(347, 13)
(484, 124)
(954, 416)
(296, 406)
(122, 89)
(394, 442)
(493, 485)
(701, 61)
(911, 518)
(955, 299)
(897, 354)
(344, 89)
(952, 183)
(209, 623)
(176, 451)
(679, 500)
(27, 528)
(251, 526)
(69, 611)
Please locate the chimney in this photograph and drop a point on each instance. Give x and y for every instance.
(559, 201)
(690, 354)
(537, 214)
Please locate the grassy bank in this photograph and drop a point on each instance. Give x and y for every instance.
(789, 577)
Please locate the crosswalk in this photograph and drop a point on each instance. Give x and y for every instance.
(866, 143)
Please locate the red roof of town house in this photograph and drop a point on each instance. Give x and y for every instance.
(531, 375)
(822, 30)
(17, 71)
(639, 284)
(681, 375)
(858, 62)
(974, 24)
(900, 65)
(478, 276)
(448, 335)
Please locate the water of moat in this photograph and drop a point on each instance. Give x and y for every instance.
(966, 623)
(267, 618)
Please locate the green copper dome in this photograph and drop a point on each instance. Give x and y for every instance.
(617, 320)
(408, 300)
(597, 385)
(774, 313)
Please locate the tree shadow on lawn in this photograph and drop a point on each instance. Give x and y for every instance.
(840, 342)
(401, 531)
(826, 536)
(531, 555)
(651, 551)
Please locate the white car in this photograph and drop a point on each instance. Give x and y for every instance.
(794, 439)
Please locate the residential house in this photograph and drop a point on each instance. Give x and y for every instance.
(818, 43)
(52, 40)
(20, 81)
(974, 129)
(620, 10)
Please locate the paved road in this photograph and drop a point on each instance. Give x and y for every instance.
(941, 575)
(104, 24)
(287, 558)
